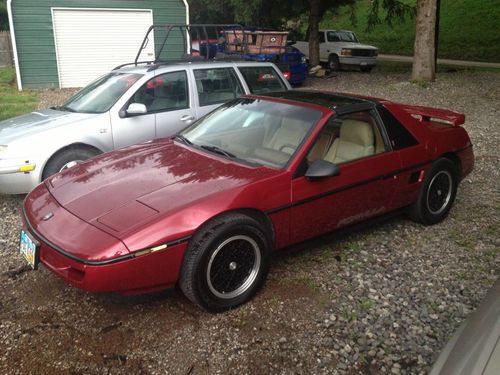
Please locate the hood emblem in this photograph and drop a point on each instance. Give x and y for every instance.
(47, 216)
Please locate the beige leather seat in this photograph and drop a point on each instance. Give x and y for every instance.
(288, 136)
(356, 140)
(320, 148)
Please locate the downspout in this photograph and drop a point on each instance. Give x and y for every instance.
(187, 11)
(188, 39)
(14, 45)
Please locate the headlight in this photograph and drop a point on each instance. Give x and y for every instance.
(3, 150)
(303, 59)
(346, 52)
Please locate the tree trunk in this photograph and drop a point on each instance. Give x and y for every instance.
(314, 32)
(424, 64)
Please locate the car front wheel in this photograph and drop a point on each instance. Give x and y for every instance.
(66, 159)
(437, 194)
(226, 263)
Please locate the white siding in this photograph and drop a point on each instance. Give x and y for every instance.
(91, 42)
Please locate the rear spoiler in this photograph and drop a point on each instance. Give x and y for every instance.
(435, 114)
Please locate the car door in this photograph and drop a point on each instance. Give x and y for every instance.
(363, 189)
(172, 103)
(215, 86)
(324, 50)
(129, 129)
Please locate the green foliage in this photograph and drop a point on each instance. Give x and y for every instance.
(394, 10)
(13, 102)
(259, 13)
(4, 20)
(468, 29)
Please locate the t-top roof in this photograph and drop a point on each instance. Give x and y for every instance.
(330, 100)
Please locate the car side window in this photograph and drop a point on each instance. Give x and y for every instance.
(165, 92)
(262, 79)
(217, 85)
(398, 135)
(332, 36)
(349, 137)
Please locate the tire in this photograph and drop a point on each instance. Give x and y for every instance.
(437, 194)
(333, 63)
(234, 244)
(66, 159)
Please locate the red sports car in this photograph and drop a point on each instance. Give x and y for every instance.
(205, 209)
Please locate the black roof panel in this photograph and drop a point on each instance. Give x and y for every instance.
(325, 99)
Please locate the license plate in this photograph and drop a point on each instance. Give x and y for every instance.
(29, 249)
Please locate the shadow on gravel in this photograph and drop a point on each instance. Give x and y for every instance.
(338, 235)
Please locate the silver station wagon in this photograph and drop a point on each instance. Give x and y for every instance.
(129, 105)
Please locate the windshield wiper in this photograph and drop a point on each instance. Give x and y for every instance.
(183, 139)
(63, 108)
(218, 150)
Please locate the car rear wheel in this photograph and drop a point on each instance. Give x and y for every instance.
(437, 194)
(226, 263)
(333, 63)
(66, 159)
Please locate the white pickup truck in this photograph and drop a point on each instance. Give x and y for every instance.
(341, 49)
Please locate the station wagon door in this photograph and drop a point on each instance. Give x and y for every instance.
(214, 87)
(172, 103)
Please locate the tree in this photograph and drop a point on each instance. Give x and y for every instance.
(4, 20)
(424, 52)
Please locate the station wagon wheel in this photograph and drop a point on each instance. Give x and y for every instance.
(67, 158)
(226, 263)
(70, 164)
(437, 193)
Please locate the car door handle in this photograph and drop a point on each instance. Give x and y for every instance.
(187, 118)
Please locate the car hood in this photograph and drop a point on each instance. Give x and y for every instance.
(127, 188)
(38, 121)
(354, 45)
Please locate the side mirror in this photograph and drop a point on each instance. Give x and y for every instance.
(135, 109)
(322, 168)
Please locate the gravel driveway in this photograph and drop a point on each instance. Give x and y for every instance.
(380, 299)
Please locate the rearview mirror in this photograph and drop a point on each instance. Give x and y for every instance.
(135, 109)
(322, 168)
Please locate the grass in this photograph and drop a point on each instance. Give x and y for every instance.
(12, 102)
(468, 30)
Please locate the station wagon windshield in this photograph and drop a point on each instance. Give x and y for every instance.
(100, 95)
(256, 131)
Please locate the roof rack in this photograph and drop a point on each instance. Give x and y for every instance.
(210, 42)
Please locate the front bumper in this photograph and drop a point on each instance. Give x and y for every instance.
(91, 259)
(13, 181)
(358, 61)
(134, 275)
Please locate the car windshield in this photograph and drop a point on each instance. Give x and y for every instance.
(100, 95)
(256, 131)
(342, 36)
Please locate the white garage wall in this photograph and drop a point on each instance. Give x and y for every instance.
(91, 42)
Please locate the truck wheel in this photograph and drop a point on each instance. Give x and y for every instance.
(333, 62)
